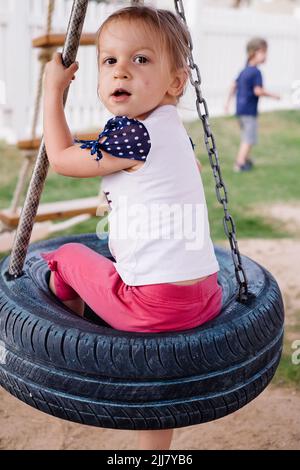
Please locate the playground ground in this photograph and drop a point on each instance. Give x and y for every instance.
(271, 421)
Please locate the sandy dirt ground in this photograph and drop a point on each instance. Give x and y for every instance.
(271, 421)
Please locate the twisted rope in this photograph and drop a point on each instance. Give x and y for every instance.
(37, 182)
(44, 57)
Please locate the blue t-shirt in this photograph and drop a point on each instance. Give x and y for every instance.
(246, 100)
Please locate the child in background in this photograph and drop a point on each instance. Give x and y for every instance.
(145, 158)
(248, 88)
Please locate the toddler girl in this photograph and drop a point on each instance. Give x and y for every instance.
(164, 277)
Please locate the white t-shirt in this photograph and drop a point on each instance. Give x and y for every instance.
(158, 223)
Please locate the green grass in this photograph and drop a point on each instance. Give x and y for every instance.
(287, 374)
(274, 179)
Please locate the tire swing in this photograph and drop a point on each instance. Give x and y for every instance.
(92, 374)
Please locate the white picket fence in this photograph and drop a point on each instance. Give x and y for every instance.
(219, 37)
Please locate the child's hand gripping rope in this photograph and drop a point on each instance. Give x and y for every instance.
(58, 77)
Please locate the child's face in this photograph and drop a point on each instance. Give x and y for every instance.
(261, 56)
(129, 59)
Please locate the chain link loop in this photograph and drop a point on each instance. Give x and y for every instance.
(210, 143)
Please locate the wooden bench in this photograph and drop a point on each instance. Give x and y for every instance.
(58, 210)
(35, 143)
(58, 40)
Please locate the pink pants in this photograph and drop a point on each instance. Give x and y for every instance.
(80, 271)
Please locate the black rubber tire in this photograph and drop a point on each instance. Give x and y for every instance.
(90, 373)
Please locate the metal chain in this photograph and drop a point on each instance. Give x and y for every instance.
(221, 191)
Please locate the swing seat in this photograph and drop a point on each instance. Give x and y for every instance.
(90, 373)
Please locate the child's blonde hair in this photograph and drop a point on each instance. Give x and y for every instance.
(164, 25)
(255, 45)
